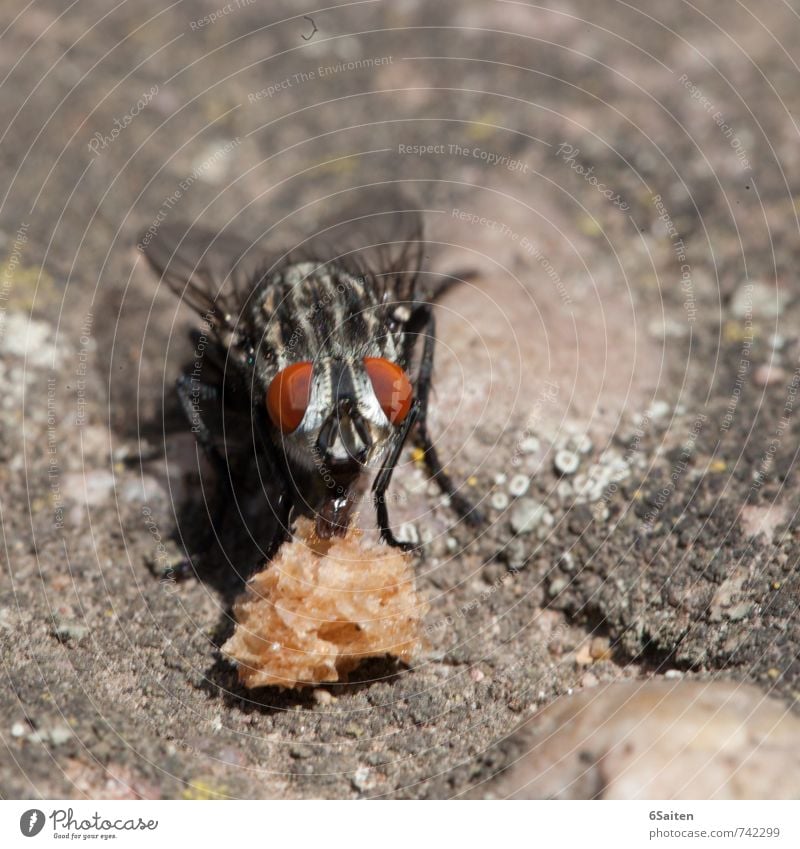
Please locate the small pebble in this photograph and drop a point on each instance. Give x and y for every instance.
(58, 735)
(583, 444)
(599, 648)
(557, 585)
(582, 485)
(566, 561)
(70, 631)
(766, 375)
(213, 162)
(529, 445)
(364, 778)
(589, 680)
(407, 532)
(759, 300)
(527, 515)
(499, 500)
(739, 611)
(500, 478)
(323, 697)
(92, 488)
(301, 751)
(476, 675)
(516, 554)
(29, 339)
(666, 329)
(519, 485)
(566, 462)
(658, 410)
(564, 490)
(19, 729)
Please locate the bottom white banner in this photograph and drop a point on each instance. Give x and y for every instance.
(393, 824)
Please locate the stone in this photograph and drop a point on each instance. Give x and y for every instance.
(740, 611)
(658, 410)
(407, 532)
(566, 462)
(527, 515)
(658, 739)
(364, 779)
(769, 375)
(564, 491)
(70, 631)
(758, 519)
(600, 648)
(323, 606)
(28, 339)
(60, 734)
(92, 488)
(499, 500)
(323, 697)
(519, 485)
(757, 300)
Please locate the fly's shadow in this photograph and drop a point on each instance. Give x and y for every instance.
(195, 428)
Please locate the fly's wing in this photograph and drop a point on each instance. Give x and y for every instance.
(377, 234)
(215, 274)
(210, 272)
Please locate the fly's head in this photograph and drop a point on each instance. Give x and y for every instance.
(338, 414)
(332, 368)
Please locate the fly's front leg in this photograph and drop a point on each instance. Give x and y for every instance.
(281, 504)
(425, 321)
(384, 477)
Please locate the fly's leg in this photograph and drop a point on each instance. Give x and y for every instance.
(462, 506)
(384, 477)
(277, 474)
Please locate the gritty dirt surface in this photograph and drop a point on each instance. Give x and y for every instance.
(616, 386)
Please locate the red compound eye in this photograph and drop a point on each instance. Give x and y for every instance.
(392, 387)
(288, 396)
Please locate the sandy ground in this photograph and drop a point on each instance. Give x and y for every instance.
(623, 180)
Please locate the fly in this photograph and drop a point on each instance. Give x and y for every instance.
(327, 352)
